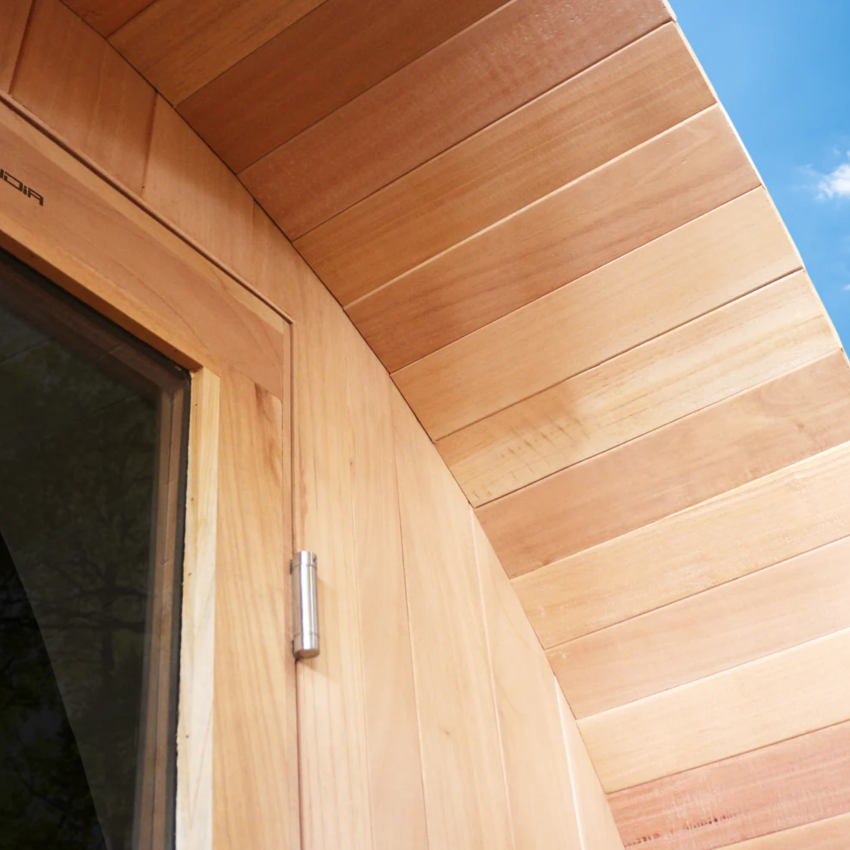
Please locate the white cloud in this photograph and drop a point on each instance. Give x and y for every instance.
(836, 184)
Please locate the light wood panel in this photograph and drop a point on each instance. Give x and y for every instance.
(579, 228)
(106, 16)
(780, 696)
(194, 189)
(461, 86)
(783, 786)
(15, 17)
(114, 256)
(279, 89)
(194, 821)
(765, 522)
(773, 609)
(252, 750)
(540, 791)
(754, 339)
(465, 796)
(617, 104)
(707, 453)
(690, 271)
(180, 45)
(830, 834)
(595, 819)
(80, 87)
(392, 732)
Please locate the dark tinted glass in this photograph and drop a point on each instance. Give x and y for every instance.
(92, 453)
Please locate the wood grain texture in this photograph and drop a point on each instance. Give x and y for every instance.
(461, 86)
(617, 104)
(765, 522)
(571, 232)
(830, 834)
(107, 251)
(773, 609)
(465, 795)
(689, 461)
(752, 340)
(252, 750)
(15, 17)
(690, 271)
(596, 823)
(194, 811)
(191, 187)
(180, 45)
(392, 731)
(106, 16)
(279, 89)
(81, 88)
(780, 787)
(771, 699)
(540, 791)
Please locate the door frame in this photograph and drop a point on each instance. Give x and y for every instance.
(237, 735)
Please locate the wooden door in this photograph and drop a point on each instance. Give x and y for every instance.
(237, 764)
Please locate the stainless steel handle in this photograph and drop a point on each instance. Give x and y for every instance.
(305, 605)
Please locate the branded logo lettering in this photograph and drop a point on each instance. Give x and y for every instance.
(25, 190)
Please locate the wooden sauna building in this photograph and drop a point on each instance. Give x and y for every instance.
(482, 302)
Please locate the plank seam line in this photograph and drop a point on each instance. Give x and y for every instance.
(631, 788)
(757, 482)
(413, 667)
(556, 646)
(609, 57)
(535, 203)
(21, 48)
(39, 125)
(531, 484)
(492, 672)
(761, 658)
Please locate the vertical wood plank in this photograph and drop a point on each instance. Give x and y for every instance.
(464, 780)
(188, 184)
(15, 15)
(540, 792)
(595, 819)
(81, 88)
(197, 643)
(392, 732)
(251, 789)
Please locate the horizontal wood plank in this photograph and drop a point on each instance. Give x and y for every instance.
(752, 340)
(461, 86)
(540, 792)
(776, 608)
(190, 186)
(757, 704)
(106, 16)
(84, 91)
(830, 834)
(765, 522)
(15, 17)
(113, 255)
(710, 452)
(780, 787)
(281, 89)
(617, 104)
(590, 222)
(180, 45)
(690, 271)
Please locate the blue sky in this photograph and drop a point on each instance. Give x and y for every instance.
(782, 70)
